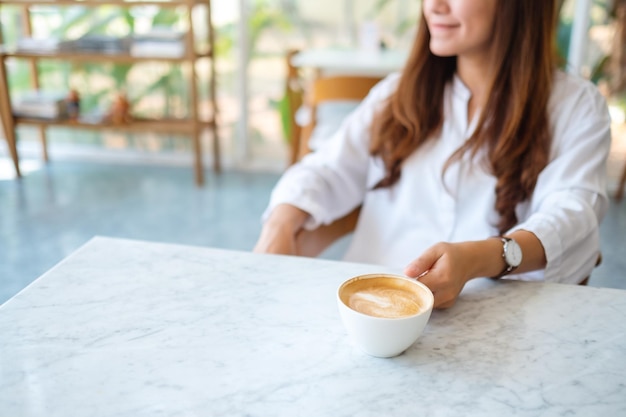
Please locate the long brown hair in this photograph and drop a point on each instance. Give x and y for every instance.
(513, 126)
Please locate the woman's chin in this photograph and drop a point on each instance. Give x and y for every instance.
(442, 51)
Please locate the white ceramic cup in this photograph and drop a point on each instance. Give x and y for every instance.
(384, 314)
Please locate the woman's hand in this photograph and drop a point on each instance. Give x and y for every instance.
(278, 235)
(446, 267)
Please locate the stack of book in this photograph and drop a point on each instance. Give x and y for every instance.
(41, 105)
(158, 43)
(101, 44)
(86, 44)
(38, 45)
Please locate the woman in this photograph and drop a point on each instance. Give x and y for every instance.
(480, 160)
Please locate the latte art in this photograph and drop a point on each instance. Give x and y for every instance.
(385, 302)
(384, 313)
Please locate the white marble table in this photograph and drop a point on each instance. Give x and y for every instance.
(127, 328)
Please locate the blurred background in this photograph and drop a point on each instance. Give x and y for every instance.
(252, 38)
(138, 183)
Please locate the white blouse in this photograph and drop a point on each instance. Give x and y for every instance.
(426, 205)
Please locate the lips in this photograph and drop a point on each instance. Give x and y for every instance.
(442, 27)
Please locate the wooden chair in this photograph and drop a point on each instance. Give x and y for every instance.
(312, 243)
(344, 88)
(619, 194)
(328, 89)
(294, 94)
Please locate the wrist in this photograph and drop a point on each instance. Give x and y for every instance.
(511, 254)
(485, 258)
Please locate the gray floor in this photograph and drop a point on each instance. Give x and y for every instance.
(54, 210)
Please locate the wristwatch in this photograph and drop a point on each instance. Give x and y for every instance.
(512, 255)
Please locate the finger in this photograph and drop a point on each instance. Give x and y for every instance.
(432, 280)
(438, 285)
(423, 263)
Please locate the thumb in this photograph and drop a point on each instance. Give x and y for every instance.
(423, 263)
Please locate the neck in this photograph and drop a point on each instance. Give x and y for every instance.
(475, 72)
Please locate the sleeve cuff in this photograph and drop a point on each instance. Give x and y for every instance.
(548, 235)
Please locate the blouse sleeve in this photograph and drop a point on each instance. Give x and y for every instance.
(330, 182)
(570, 197)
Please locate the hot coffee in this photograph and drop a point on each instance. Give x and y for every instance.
(384, 314)
(384, 297)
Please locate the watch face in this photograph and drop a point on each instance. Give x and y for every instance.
(513, 253)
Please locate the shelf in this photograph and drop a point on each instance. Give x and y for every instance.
(143, 125)
(98, 57)
(192, 126)
(90, 3)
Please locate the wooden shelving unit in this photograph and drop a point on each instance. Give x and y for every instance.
(193, 125)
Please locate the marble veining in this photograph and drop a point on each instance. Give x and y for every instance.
(130, 328)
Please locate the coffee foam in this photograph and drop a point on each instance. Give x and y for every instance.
(384, 297)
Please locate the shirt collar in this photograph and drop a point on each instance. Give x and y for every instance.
(460, 89)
